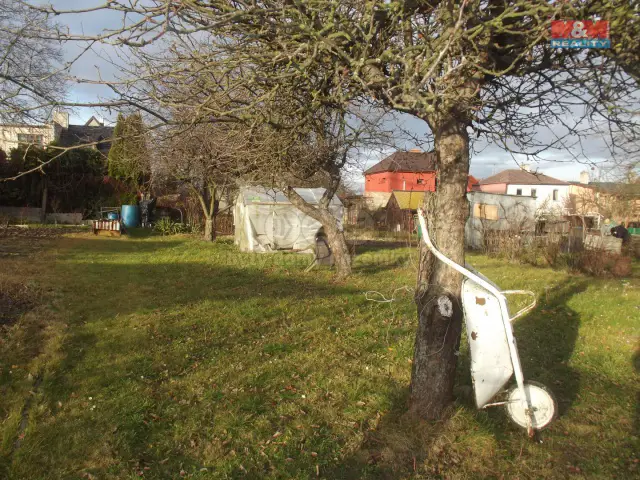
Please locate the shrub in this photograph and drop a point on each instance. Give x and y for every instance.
(555, 251)
(166, 226)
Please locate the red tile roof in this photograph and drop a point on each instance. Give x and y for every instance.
(522, 177)
(406, 162)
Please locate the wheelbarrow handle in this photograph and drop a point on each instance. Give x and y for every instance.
(526, 309)
(446, 260)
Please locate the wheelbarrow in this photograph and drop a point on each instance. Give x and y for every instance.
(494, 353)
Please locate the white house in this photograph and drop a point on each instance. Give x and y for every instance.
(550, 194)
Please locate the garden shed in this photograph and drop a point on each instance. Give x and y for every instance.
(402, 208)
(265, 220)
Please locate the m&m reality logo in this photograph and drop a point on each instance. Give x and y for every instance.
(580, 34)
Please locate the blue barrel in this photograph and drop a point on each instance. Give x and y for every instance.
(130, 216)
(112, 216)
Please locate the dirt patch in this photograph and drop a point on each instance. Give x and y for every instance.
(18, 241)
(39, 232)
(15, 300)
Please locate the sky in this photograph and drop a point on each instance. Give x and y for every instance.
(486, 160)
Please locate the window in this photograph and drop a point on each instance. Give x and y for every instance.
(30, 139)
(383, 180)
(519, 191)
(484, 211)
(555, 195)
(533, 193)
(420, 181)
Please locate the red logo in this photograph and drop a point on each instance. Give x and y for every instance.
(579, 29)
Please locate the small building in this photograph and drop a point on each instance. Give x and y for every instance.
(266, 221)
(490, 212)
(359, 211)
(614, 202)
(402, 208)
(550, 194)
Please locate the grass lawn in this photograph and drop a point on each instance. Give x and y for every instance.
(165, 357)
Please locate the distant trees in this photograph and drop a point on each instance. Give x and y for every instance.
(74, 182)
(129, 157)
(207, 158)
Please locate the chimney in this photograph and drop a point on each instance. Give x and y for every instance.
(526, 167)
(61, 118)
(584, 177)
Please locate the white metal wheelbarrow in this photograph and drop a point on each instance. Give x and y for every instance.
(494, 353)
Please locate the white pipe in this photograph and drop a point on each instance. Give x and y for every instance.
(513, 348)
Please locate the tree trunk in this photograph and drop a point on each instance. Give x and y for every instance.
(43, 204)
(333, 229)
(210, 229)
(438, 291)
(210, 207)
(339, 248)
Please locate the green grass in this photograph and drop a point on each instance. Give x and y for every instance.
(166, 357)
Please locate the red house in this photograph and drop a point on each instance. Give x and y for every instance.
(413, 170)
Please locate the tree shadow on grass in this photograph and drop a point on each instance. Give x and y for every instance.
(636, 367)
(393, 444)
(380, 263)
(150, 303)
(546, 341)
(368, 246)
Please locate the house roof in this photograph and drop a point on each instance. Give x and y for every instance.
(406, 162)
(408, 200)
(79, 134)
(93, 122)
(522, 177)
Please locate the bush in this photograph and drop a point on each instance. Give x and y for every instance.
(556, 251)
(504, 244)
(166, 226)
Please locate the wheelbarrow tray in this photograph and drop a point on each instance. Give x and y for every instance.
(491, 365)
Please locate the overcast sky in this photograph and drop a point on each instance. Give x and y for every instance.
(487, 160)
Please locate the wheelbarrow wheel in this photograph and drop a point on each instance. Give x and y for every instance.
(543, 402)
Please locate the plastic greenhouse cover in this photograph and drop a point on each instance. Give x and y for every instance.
(263, 195)
(266, 220)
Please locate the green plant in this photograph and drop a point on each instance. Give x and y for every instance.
(164, 226)
(180, 228)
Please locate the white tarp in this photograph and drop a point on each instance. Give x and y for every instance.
(264, 220)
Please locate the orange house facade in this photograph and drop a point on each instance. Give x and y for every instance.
(390, 181)
(412, 171)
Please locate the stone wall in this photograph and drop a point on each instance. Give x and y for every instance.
(65, 218)
(21, 214)
(32, 215)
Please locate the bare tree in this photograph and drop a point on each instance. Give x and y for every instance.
(468, 68)
(31, 67)
(208, 158)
